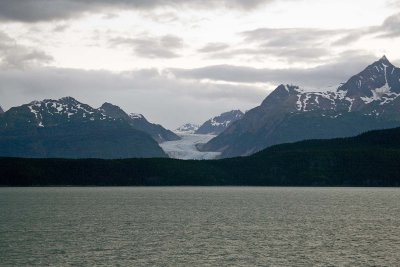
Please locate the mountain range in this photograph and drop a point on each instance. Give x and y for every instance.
(70, 129)
(369, 100)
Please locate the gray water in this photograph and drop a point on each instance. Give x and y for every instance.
(201, 226)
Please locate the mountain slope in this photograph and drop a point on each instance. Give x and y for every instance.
(369, 100)
(218, 124)
(70, 129)
(139, 122)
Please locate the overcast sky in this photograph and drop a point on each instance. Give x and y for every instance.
(178, 61)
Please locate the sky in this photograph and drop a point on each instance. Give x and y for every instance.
(178, 61)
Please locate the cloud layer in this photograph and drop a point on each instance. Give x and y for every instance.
(166, 46)
(160, 97)
(44, 10)
(14, 55)
(315, 78)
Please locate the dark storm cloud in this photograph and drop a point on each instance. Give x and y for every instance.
(42, 10)
(319, 77)
(166, 46)
(14, 55)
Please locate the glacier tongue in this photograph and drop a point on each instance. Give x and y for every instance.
(186, 147)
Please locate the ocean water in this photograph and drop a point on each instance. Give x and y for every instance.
(199, 226)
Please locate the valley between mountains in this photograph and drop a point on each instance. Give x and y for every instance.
(295, 137)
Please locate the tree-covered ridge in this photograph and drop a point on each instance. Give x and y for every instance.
(371, 159)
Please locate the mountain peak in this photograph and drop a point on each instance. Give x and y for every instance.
(113, 111)
(379, 74)
(108, 106)
(384, 61)
(218, 124)
(281, 93)
(68, 100)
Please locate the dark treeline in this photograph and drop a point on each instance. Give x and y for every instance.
(371, 159)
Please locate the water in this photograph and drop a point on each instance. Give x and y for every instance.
(188, 226)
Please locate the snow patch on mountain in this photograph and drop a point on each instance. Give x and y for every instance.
(66, 107)
(136, 116)
(188, 128)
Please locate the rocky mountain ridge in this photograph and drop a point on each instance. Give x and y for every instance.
(70, 129)
(368, 100)
(218, 124)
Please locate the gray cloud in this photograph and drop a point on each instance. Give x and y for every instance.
(390, 27)
(160, 97)
(60, 28)
(213, 47)
(321, 77)
(14, 55)
(166, 46)
(293, 44)
(288, 54)
(286, 44)
(42, 10)
(294, 37)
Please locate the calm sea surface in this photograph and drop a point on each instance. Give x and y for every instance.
(199, 226)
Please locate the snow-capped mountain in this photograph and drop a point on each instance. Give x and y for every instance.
(219, 123)
(50, 112)
(68, 128)
(187, 128)
(368, 100)
(139, 122)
